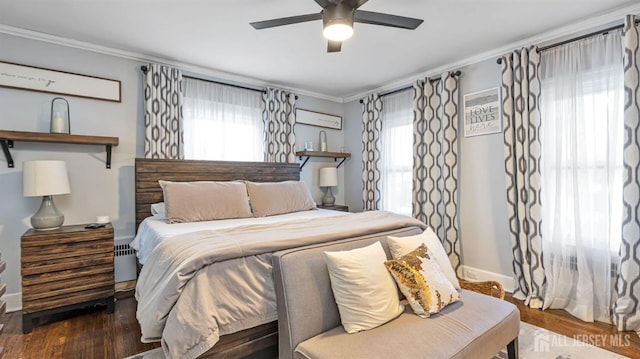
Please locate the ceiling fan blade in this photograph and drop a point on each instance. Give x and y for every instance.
(324, 3)
(357, 3)
(285, 21)
(334, 46)
(376, 18)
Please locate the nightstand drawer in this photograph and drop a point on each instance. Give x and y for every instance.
(68, 286)
(56, 265)
(48, 276)
(68, 299)
(66, 250)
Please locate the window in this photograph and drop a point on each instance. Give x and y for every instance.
(396, 152)
(582, 137)
(222, 122)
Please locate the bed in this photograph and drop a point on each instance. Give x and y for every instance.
(192, 288)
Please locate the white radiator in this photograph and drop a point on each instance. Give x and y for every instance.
(125, 260)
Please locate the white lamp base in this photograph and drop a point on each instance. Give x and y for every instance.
(328, 199)
(48, 217)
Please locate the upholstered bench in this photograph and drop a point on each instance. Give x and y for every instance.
(477, 326)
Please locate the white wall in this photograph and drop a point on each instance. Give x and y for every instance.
(485, 243)
(335, 140)
(353, 169)
(95, 190)
(484, 227)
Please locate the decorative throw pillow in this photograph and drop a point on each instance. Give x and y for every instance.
(204, 201)
(364, 290)
(422, 282)
(271, 198)
(399, 246)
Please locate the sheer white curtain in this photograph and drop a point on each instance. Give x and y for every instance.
(222, 122)
(396, 152)
(582, 142)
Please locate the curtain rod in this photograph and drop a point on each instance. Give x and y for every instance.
(457, 73)
(145, 70)
(578, 38)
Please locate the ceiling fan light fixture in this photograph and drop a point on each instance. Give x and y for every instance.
(337, 21)
(338, 31)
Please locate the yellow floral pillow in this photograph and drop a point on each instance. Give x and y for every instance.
(422, 281)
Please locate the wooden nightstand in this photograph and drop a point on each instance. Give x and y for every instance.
(66, 268)
(335, 207)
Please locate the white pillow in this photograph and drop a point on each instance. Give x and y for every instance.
(364, 290)
(399, 246)
(157, 209)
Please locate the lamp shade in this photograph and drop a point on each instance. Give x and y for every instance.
(328, 176)
(44, 178)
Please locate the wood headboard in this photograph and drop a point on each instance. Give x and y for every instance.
(148, 171)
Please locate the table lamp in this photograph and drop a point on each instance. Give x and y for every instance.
(46, 179)
(328, 178)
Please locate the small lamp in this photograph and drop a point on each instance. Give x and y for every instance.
(328, 178)
(46, 179)
(60, 121)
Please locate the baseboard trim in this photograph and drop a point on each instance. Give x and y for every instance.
(474, 274)
(14, 301)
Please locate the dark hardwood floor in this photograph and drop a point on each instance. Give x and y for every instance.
(599, 334)
(94, 333)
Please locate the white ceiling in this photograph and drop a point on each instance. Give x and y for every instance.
(215, 34)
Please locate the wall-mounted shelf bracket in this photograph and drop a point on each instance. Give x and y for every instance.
(6, 145)
(8, 137)
(334, 155)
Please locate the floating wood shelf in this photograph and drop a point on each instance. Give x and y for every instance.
(8, 137)
(334, 155)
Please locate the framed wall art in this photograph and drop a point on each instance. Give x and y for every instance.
(312, 118)
(482, 113)
(39, 79)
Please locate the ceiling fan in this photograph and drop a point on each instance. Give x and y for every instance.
(338, 17)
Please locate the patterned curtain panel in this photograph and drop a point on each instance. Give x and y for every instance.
(163, 113)
(627, 309)
(279, 117)
(521, 117)
(371, 127)
(435, 159)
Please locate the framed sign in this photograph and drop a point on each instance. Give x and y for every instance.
(58, 82)
(307, 117)
(482, 112)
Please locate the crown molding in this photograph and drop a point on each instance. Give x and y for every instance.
(145, 58)
(590, 24)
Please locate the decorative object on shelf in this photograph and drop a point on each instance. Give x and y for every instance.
(39, 79)
(323, 141)
(482, 112)
(102, 219)
(308, 145)
(60, 117)
(328, 178)
(46, 179)
(307, 117)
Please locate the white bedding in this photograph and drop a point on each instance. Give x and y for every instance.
(198, 286)
(154, 230)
